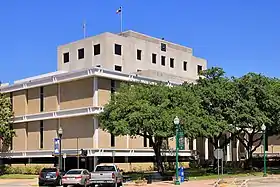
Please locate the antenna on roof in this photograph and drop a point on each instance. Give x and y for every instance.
(84, 28)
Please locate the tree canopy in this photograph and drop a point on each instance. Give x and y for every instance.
(216, 107)
(148, 110)
(6, 120)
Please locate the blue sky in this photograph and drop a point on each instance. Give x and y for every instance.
(239, 36)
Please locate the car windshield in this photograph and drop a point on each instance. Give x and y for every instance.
(74, 172)
(105, 168)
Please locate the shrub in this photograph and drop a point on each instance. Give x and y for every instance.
(31, 169)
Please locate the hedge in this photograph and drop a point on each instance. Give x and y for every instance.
(28, 170)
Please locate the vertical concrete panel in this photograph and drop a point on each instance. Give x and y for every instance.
(33, 135)
(104, 91)
(33, 100)
(19, 141)
(19, 103)
(104, 139)
(51, 98)
(76, 94)
(77, 129)
(50, 132)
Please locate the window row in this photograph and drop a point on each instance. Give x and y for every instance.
(118, 51)
(96, 51)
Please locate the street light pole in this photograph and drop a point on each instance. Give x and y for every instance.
(60, 132)
(264, 150)
(176, 122)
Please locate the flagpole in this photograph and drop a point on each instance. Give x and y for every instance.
(84, 29)
(121, 20)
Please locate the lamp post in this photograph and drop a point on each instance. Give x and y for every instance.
(264, 150)
(176, 122)
(60, 132)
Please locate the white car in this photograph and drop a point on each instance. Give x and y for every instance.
(79, 177)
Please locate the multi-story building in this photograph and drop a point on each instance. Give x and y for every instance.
(88, 71)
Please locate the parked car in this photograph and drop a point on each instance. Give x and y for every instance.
(76, 177)
(106, 175)
(50, 176)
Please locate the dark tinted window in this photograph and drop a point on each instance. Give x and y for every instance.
(139, 54)
(96, 49)
(118, 49)
(41, 99)
(163, 47)
(163, 60)
(185, 65)
(81, 53)
(74, 172)
(171, 62)
(118, 68)
(199, 69)
(65, 57)
(105, 168)
(41, 134)
(154, 58)
(112, 140)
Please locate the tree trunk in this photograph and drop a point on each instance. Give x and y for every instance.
(157, 149)
(159, 163)
(249, 161)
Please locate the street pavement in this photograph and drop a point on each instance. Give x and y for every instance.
(201, 183)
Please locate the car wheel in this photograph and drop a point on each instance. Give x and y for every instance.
(40, 184)
(120, 184)
(65, 185)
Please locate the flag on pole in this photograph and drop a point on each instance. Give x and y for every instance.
(119, 10)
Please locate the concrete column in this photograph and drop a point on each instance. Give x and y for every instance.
(95, 91)
(95, 161)
(206, 147)
(95, 135)
(187, 144)
(194, 144)
(237, 150)
(229, 146)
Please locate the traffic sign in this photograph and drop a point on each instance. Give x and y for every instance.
(181, 140)
(218, 153)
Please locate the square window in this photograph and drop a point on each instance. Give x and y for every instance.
(139, 54)
(154, 58)
(118, 68)
(66, 57)
(163, 47)
(139, 70)
(185, 66)
(199, 69)
(81, 53)
(163, 60)
(171, 62)
(96, 49)
(118, 49)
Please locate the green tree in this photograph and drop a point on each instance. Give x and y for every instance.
(148, 110)
(257, 104)
(218, 98)
(6, 120)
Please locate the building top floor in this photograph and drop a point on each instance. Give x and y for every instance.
(130, 52)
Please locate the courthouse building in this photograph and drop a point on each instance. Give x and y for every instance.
(88, 72)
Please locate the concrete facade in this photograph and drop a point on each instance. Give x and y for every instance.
(130, 42)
